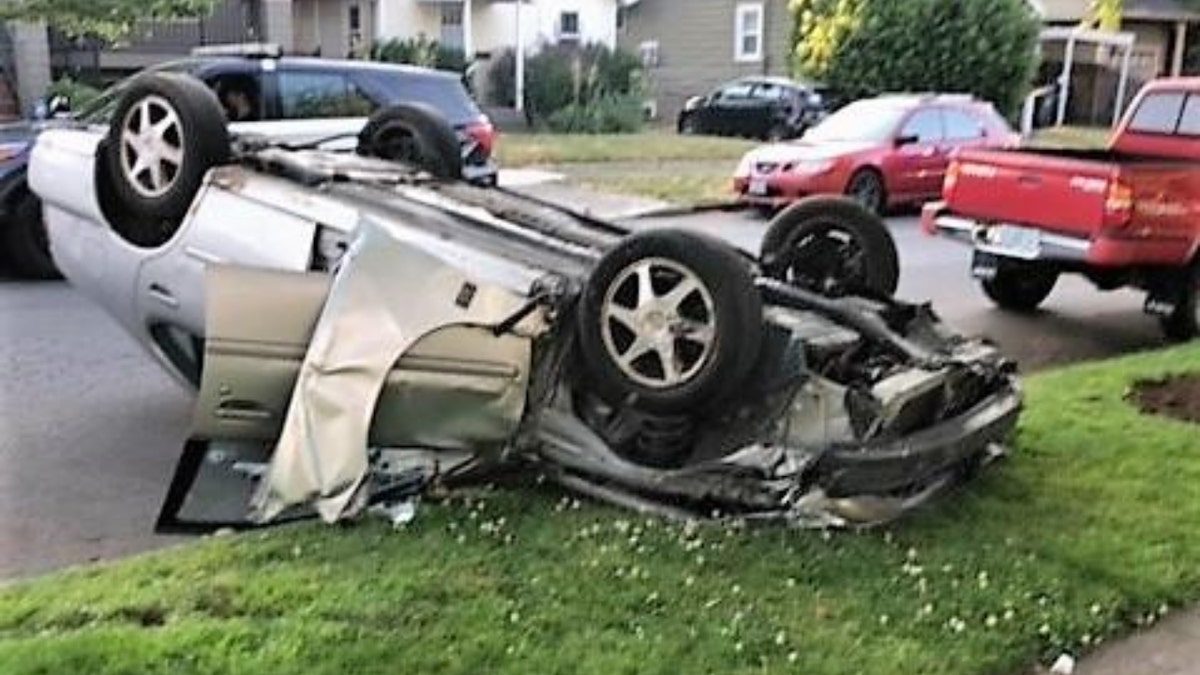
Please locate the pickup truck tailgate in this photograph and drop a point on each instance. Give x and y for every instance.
(1052, 192)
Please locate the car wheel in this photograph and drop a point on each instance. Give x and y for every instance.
(166, 132)
(415, 134)
(831, 245)
(1020, 287)
(866, 187)
(688, 126)
(1184, 322)
(669, 322)
(26, 242)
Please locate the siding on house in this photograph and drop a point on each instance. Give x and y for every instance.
(696, 46)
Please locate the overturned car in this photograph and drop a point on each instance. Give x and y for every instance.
(362, 326)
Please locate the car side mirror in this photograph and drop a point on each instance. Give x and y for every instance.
(907, 139)
(58, 105)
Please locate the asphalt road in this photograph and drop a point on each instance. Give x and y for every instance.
(90, 429)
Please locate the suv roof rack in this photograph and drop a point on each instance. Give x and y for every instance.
(250, 50)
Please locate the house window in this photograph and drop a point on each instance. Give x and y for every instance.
(568, 26)
(748, 32)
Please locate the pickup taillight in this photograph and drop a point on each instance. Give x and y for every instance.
(951, 180)
(1118, 203)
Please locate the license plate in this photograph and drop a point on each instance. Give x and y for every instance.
(983, 265)
(758, 186)
(1018, 242)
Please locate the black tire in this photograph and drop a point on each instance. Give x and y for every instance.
(1184, 323)
(687, 125)
(25, 240)
(866, 187)
(711, 367)
(831, 245)
(148, 210)
(1020, 287)
(416, 134)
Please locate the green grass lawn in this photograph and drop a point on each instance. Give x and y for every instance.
(1071, 137)
(1087, 530)
(514, 150)
(687, 190)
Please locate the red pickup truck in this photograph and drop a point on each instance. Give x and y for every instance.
(1125, 216)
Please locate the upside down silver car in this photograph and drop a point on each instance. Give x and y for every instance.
(362, 326)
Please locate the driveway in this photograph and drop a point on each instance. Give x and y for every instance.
(90, 429)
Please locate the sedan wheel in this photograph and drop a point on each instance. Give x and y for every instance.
(866, 188)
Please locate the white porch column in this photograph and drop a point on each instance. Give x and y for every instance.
(1180, 48)
(1064, 81)
(277, 23)
(468, 28)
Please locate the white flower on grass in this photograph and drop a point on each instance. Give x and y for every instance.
(1096, 609)
(793, 657)
(738, 647)
(791, 582)
(990, 621)
(689, 580)
(780, 638)
(884, 619)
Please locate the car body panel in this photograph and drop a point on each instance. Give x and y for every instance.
(458, 387)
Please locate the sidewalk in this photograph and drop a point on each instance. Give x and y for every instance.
(1171, 647)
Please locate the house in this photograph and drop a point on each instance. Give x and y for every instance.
(478, 27)
(1161, 30)
(689, 46)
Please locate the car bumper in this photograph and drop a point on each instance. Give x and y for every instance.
(915, 460)
(481, 174)
(936, 220)
(780, 189)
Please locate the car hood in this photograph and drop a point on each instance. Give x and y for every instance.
(803, 151)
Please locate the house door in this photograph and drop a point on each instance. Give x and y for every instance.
(360, 21)
(452, 25)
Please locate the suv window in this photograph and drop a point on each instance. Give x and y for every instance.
(1189, 122)
(1158, 113)
(239, 94)
(734, 91)
(446, 94)
(306, 95)
(770, 92)
(924, 125)
(961, 125)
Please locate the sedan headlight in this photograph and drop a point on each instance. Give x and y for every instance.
(810, 168)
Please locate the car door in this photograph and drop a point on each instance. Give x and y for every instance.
(758, 116)
(724, 111)
(305, 105)
(919, 155)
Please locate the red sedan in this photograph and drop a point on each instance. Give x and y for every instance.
(882, 152)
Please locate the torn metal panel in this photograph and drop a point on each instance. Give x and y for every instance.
(384, 299)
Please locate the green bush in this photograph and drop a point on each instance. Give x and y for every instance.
(616, 114)
(78, 93)
(420, 51)
(574, 88)
(863, 47)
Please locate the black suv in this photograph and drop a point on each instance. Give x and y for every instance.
(291, 98)
(770, 108)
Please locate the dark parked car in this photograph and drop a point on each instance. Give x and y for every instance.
(295, 100)
(771, 108)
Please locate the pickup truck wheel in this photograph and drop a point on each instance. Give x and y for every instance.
(415, 134)
(1020, 288)
(1184, 322)
(831, 245)
(166, 132)
(669, 322)
(26, 242)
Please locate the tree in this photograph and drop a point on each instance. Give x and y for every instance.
(110, 19)
(863, 47)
